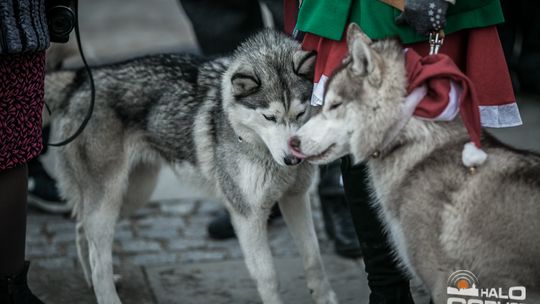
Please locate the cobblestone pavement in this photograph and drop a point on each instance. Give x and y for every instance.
(171, 231)
(164, 255)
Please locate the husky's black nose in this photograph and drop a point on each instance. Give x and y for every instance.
(291, 160)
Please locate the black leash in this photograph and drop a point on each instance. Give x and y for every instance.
(92, 87)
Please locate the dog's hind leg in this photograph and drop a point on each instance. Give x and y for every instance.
(251, 230)
(99, 222)
(296, 211)
(142, 181)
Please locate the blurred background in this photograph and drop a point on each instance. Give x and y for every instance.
(163, 252)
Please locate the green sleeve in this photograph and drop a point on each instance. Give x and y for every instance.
(328, 18)
(324, 18)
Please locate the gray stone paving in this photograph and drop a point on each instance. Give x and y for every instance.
(171, 231)
(66, 285)
(164, 255)
(228, 282)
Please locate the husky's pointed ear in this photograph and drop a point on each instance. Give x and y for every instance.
(304, 63)
(365, 62)
(244, 82)
(354, 33)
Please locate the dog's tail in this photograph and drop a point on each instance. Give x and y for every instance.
(58, 88)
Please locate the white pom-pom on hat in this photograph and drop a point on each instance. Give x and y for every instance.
(473, 156)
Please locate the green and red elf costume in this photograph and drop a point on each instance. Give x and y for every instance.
(471, 41)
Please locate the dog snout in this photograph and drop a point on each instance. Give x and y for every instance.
(294, 143)
(291, 160)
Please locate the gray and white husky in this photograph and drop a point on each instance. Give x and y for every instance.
(441, 216)
(229, 118)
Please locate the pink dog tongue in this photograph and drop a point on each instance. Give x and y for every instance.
(298, 154)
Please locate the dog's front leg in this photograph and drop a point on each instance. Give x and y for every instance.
(296, 211)
(251, 230)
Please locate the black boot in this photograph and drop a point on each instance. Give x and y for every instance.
(14, 289)
(386, 280)
(336, 214)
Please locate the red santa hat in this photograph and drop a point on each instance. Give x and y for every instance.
(448, 90)
(439, 74)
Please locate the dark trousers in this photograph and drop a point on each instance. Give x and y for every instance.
(388, 283)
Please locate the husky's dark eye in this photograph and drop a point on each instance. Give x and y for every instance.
(270, 118)
(300, 115)
(335, 106)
